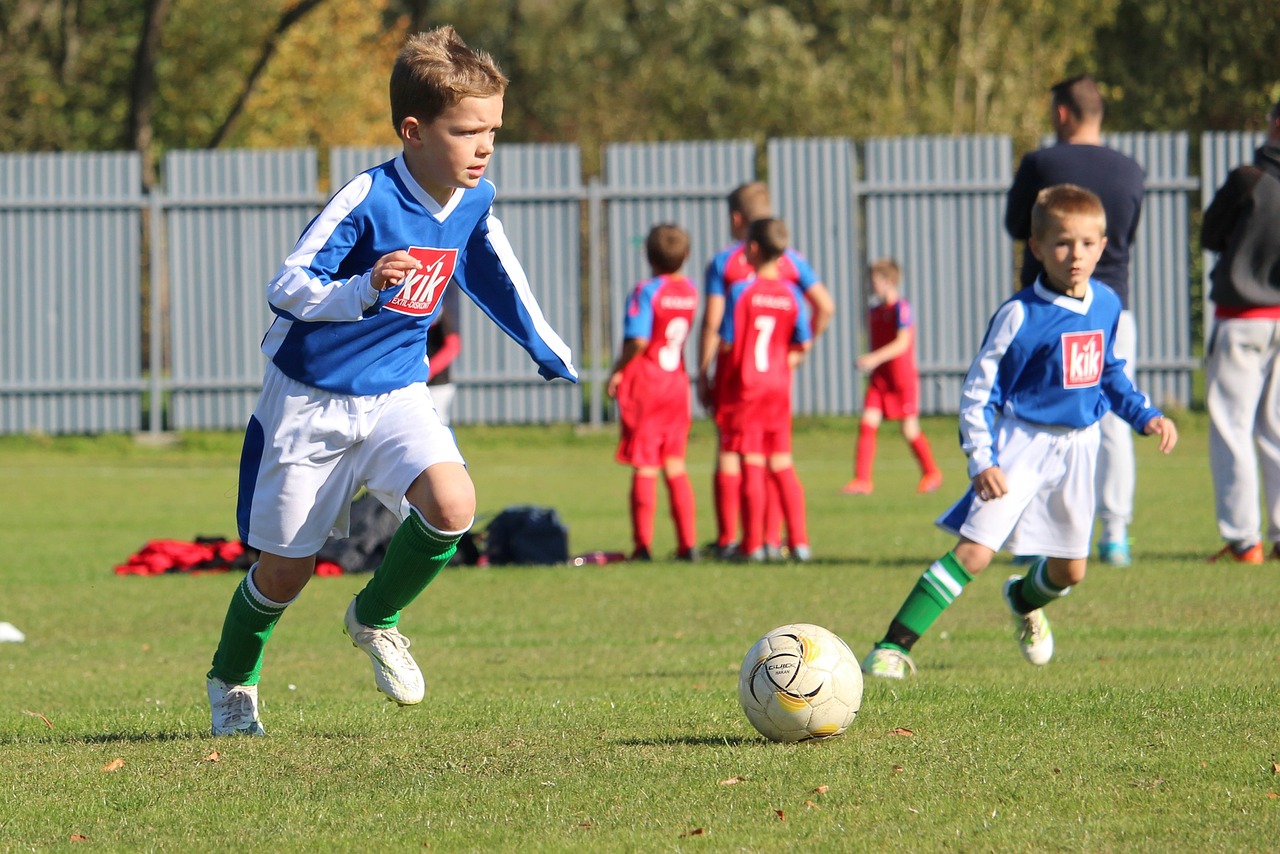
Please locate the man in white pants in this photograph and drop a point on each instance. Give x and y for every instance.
(1242, 224)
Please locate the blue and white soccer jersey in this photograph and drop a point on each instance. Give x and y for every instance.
(345, 402)
(1044, 376)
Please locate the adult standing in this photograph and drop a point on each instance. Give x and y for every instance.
(1080, 158)
(1242, 224)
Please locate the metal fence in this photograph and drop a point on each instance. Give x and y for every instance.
(75, 265)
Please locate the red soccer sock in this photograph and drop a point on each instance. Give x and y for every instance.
(792, 494)
(866, 453)
(680, 491)
(753, 501)
(772, 513)
(644, 503)
(924, 454)
(728, 505)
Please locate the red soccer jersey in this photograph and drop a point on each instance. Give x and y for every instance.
(884, 322)
(765, 317)
(654, 393)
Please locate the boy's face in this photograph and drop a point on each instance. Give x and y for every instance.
(452, 150)
(1069, 251)
(883, 287)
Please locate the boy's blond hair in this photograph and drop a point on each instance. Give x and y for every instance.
(888, 269)
(1056, 203)
(435, 70)
(770, 236)
(751, 201)
(667, 248)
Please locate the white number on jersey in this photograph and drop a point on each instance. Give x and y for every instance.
(669, 354)
(764, 331)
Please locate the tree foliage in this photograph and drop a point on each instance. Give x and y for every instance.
(282, 73)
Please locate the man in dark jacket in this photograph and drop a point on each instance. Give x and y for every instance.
(1242, 224)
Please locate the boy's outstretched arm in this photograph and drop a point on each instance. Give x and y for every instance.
(1163, 426)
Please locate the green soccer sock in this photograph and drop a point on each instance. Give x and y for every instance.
(941, 583)
(251, 617)
(415, 556)
(1037, 590)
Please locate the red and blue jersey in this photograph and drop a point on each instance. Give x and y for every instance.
(884, 322)
(730, 266)
(655, 385)
(763, 318)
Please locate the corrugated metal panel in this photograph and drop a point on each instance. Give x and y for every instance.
(70, 277)
(233, 216)
(685, 183)
(1220, 152)
(936, 204)
(813, 183)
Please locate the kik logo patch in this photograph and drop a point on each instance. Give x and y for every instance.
(1082, 358)
(422, 289)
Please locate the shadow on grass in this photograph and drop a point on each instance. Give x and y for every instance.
(104, 738)
(691, 741)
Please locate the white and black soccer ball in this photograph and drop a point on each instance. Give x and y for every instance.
(800, 682)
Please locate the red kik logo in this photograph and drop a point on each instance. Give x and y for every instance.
(1082, 359)
(421, 290)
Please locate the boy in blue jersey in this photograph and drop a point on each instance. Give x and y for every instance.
(1045, 375)
(345, 402)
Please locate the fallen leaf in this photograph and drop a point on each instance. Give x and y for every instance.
(114, 765)
(781, 815)
(898, 769)
(1275, 767)
(213, 757)
(47, 722)
(811, 805)
(78, 837)
(901, 730)
(1273, 795)
(586, 825)
(733, 781)
(822, 790)
(697, 831)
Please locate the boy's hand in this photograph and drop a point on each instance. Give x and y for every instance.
(1165, 428)
(989, 484)
(615, 381)
(865, 363)
(392, 268)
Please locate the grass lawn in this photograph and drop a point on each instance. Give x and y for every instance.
(595, 709)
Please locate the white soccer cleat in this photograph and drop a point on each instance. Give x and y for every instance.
(886, 663)
(394, 669)
(1035, 638)
(234, 708)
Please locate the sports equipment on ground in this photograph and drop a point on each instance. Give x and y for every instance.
(888, 663)
(234, 708)
(1035, 638)
(394, 669)
(800, 682)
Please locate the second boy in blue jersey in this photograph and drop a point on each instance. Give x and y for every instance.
(1044, 377)
(345, 404)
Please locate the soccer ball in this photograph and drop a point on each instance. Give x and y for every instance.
(800, 682)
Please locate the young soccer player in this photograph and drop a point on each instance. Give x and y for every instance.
(345, 403)
(651, 385)
(893, 390)
(747, 203)
(1044, 376)
(764, 336)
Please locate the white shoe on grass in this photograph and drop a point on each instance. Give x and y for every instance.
(234, 708)
(394, 669)
(887, 663)
(1035, 638)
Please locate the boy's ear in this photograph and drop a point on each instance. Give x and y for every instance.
(1034, 246)
(410, 130)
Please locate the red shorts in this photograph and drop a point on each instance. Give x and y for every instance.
(896, 399)
(757, 439)
(651, 447)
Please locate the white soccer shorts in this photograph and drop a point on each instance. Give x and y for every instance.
(1048, 509)
(307, 452)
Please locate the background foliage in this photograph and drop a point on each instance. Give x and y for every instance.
(118, 74)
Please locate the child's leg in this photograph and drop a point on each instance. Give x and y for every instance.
(683, 509)
(644, 506)
(791, 496)
(1048, 579)
(443, 502)
(940, 585)
(753, 501)
(773, 514)
(919, 444)
(728, 498)
(259, 601)
(865, 456)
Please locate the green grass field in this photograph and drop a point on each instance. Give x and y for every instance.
(596, 709)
